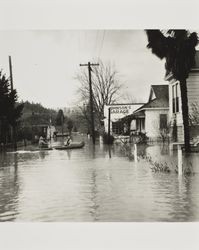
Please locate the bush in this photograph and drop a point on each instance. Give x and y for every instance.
(108, 140)
(138, 137)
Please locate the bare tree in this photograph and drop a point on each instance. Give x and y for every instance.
(127, 97)
(105, 85)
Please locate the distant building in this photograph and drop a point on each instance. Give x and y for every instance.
(39, 130)
(175, 106)
(117, 112)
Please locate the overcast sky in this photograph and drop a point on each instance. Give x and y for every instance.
(45, 62)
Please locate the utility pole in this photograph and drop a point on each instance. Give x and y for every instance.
(14, 127)
(109, 124)
(91, 97)
(62, 124)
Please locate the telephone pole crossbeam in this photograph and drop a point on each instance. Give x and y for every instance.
(91, 97)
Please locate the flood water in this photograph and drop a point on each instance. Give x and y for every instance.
(98, 183)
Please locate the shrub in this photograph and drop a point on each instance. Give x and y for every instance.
(138, 137)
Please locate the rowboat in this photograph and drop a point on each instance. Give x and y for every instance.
(42, 149)
(73, 145)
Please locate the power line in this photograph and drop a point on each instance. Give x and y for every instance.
(96, 42)
(103, 36)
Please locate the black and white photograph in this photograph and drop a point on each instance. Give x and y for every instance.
(99, 129)
(99, 126)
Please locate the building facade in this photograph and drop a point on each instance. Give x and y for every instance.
(153, 117)
(175, 106)
(117, 112)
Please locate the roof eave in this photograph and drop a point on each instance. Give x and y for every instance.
(156, 108)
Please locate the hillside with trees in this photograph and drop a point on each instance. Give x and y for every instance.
(34, 114)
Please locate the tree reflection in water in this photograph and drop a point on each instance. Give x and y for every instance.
(9, 190)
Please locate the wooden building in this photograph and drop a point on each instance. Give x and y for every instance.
(175, 107)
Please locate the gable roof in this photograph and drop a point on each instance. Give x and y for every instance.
(139, 114)
(161, 97)
(161, 91)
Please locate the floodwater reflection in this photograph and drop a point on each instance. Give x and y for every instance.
(9, 190)
(95, 183)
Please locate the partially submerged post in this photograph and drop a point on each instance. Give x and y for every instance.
(135, 153)
(109, 125)
(179, 160)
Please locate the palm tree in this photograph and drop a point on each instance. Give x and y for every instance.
(177, 47)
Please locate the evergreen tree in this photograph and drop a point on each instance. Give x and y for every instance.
(4, 97)
(10, 110)
(60, 118)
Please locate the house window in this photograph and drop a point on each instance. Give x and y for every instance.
(163, 121)
(175, 98)
(117, 128)
(140, 125)
(143, 124)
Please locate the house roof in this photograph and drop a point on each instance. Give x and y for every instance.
(158, 98)
(161, 91)
(128, 103)
(161, 99)
(139, 114)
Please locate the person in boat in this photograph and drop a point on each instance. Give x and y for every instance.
(42, 142)
(68, 141)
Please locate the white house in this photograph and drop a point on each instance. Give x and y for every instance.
(152, 117)
(175, 107)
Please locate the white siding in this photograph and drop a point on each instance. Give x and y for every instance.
(152, 122)
(193, 97)
(192, 94)
(178, 115)
(193, 88)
